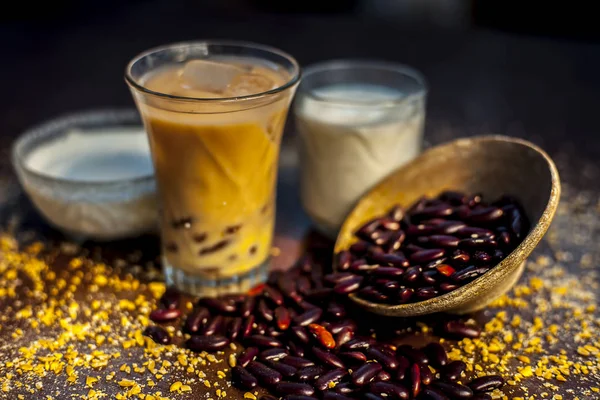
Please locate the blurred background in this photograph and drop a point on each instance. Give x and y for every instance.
(492, 65)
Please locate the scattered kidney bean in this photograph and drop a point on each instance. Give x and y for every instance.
(306, 343)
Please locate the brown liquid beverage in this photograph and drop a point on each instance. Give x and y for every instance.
(216, 166)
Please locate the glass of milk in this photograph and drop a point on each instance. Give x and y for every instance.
(357, 122)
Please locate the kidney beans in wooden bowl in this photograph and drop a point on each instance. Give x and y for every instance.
(450, 231)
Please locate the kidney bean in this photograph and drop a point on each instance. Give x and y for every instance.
(454, 390)
(454, 370)
(426, 292)
(282, 317)
(158, 334)
(440, 210)
(389, 362)
(338, 277)
(336, 327)
(395, 241)
(214, 325)
(387, 389)
(479, 243)
(220, 305)
(425, 256)
(415, 355)
(411, 275)
(343, 260)
(346, 388)
(328, 358)
(460, 257)
(430, 277)
(207, 343)
(261, 328)
(397, 260)
(431, 393)
(297, 362)
(353, 357)
(387, 271)
(383, 376)
(349, 286)
(445, 241)
(328, 395)
(322, 335)
(308, 317)
(365, 373)
(332, 377)
(361, 265)
(344, 336)
(436, 354)
(274, 354)
(310, 373)
(196, 320)
(486, 383)
(370, 293)
(359, 248)
(415, 379)
(373, 396)
(416, 231)
(247, 306)
(293, 388)
(264, 374)
(170, 298)
(263, 341)
(402, 369)
(247, 326)
(243, 378)
(247, 355)
(273, 294)
(468, 273)
(165, 315)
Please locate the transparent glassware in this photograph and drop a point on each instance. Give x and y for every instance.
(102, 210)
(215, 158)
(357, 122)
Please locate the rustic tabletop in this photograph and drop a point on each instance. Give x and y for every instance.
(71, 313)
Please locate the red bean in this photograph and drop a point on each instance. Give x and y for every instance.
(282, 316)
(365, 373)
(308, 317)
(486, 383)
(454, 390)
(243, 378)
(158, 334)
(393, 390)
(415, 379)
(425, 256)
(332, 377)
(247, 355)
(264, 374)
(293, 388)
(328, 358)
(165, 315)
(207, 343)
(310, 373)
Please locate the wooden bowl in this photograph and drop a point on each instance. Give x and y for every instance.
(491, 165)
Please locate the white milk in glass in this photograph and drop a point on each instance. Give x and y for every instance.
(352, 136)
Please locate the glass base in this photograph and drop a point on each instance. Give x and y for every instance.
(202, 286)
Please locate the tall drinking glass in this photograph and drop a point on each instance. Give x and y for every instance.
(214, 113)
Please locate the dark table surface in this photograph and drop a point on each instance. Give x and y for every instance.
(545, 90)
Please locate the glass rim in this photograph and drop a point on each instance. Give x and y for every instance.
(350, 64)
(295, 78)
(59, 126)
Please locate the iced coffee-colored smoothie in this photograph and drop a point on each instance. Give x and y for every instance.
(216, 166)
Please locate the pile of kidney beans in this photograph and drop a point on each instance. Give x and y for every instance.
(304, 340)
(435, 247)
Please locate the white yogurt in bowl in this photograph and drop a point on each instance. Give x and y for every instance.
(90, 174)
